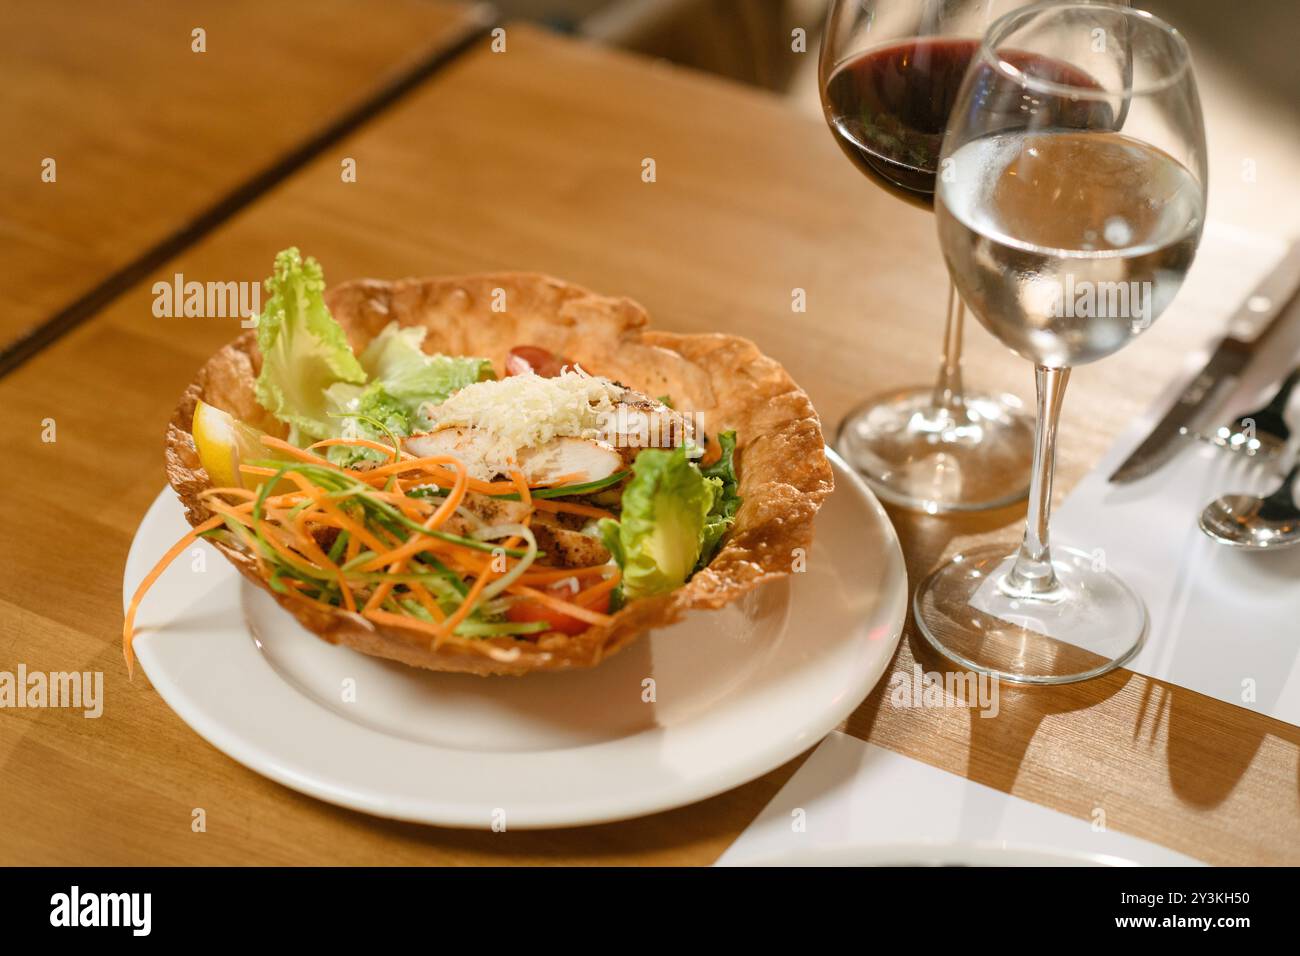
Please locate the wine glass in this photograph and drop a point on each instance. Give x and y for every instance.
(889, 72)
(1070, 203)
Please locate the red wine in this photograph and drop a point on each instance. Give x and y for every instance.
(889, 107)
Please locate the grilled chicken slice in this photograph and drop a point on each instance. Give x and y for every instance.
(495, 510)
(557, 535)
(581, 459)
(483, 510)
(566, 547)
(470, 445)
(640, 421)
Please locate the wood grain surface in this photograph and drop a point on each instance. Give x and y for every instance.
(532, 159)
(146, 134)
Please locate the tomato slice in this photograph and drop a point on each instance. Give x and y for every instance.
(527, 611)
(533, 358)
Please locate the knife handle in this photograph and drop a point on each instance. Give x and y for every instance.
(1256, 315)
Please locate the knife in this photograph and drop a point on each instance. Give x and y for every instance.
(1248, 326)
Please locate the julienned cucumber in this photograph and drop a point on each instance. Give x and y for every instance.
(561, 491)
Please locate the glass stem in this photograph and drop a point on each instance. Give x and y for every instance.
(1032, 573)
(948, 389)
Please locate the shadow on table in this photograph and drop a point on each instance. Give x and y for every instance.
(1209, 744)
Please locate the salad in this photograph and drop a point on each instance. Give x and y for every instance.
(421, 492)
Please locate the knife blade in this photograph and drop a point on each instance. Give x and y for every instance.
(1248, 326)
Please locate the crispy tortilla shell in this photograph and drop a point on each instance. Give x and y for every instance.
(782, 468)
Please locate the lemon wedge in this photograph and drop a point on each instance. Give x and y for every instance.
(223, 443)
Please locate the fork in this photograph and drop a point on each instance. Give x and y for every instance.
(1263, 431)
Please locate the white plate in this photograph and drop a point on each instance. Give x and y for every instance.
(737, 691)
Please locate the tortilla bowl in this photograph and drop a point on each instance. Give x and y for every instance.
(781, 463)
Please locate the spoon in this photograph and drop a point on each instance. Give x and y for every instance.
(1256, 524)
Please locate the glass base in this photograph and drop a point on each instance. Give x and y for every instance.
(1091, 623)
(916, 454)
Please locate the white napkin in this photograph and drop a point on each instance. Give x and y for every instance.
(854, 803)
(1225, 623)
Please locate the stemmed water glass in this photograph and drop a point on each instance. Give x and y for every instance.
(1069, 207)
(890, 71)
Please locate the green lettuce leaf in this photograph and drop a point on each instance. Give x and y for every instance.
(658, 539)
(402, 379)
(410, 377)
(723, 513)
(365, 412)
(304, 351)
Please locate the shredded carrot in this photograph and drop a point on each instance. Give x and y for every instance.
(406, 464)
(307, 544)
(426, 601)
(272, 537)
(466, 606)
(564, 607)
(128, 627)
(331, 509)
(401, 620)
(572, 477)
(432, 466)
(258, 470)
(572, 507)
(236, 514)
(293, 595)
(590, 595)
(405, 503)
(525, 496)
(419, 541)
(550, 576)
(287, 500)
(453, 499)
(391, 450)
(445, 510)
(293, 451)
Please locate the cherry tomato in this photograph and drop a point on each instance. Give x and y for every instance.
(533, 358)
(525, 611)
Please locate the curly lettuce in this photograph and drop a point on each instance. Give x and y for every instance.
(304, 351)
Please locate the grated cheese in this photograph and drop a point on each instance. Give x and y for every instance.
(526, 411)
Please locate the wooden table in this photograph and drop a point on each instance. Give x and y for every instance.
(123, 140)
(531, 159)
